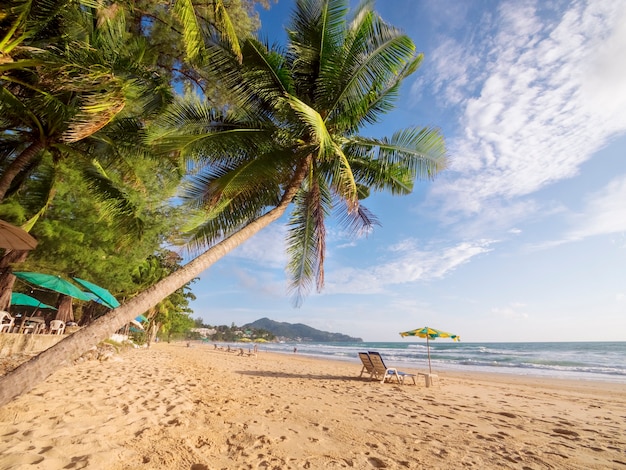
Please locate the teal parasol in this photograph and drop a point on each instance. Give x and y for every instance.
(104, 295)
(17, 298)
(54, 283)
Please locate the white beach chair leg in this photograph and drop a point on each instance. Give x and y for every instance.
(429, 379)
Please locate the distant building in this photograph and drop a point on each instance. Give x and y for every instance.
(204, 332)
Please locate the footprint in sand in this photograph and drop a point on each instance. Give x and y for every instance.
(566, 432)
(376, 462)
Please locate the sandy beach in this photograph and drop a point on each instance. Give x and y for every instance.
(178, 407)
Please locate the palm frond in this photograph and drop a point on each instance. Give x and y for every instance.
(27, 19)
(243, 180)
(315, 32)
(342, 179)
(115, 201)
(224, 202)
(9, 103)
(226, 28)
(200, 132)
(264, 76)
(421, 150)
(364, 81)
(316, 128)
(42, 180)
(354, 113)
(192, 31)
(357, 222)
(306, 240)
(95, 112)
(223, 219)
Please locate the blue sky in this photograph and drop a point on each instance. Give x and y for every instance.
(523, 238)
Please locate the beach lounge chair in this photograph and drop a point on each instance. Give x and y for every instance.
(6, 321)
(388, 373)
(367, 365)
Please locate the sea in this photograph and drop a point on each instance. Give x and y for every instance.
(603, 361)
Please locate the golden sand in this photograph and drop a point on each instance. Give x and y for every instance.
(178, 407)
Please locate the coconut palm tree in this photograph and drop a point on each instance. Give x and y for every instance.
(81, 96)
(290, 138)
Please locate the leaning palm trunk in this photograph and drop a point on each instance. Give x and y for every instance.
(27, 375)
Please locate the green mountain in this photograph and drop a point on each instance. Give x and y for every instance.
(299, 332)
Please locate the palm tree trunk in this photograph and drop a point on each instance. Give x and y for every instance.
(65, 312)
(23, 378)
(18, 165)
(7, 279)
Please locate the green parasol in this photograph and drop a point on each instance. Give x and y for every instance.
(17, 298)
(104, 295)
(54, 283)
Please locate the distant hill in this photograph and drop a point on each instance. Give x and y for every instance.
(299, 332)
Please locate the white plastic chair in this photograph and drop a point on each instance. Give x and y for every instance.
(57, 327)
(6, 321)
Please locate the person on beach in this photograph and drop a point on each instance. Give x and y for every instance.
(295, 350)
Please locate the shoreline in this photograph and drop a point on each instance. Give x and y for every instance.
(504, 376)
(509, 373)
(173, 406)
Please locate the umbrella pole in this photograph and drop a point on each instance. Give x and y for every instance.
(430, 370)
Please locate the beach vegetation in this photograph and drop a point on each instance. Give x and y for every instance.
(289, 137)
(115, 344)
(74, 91)
(298, 331)
(230, 333)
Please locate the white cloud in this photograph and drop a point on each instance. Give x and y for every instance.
(261, 282)
(410, 264)
(267, 248)
(604, 213)
(546, 92)
(603, 89)
(512, 311)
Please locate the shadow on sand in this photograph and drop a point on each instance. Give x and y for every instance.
(290, 375)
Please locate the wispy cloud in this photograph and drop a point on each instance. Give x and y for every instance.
(603, 214)
(545, 95)
(266, 248)
(261, 282)
(408, 264)
(514, 311)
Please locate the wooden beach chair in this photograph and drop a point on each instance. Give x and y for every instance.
(388, 373)
(367, 365)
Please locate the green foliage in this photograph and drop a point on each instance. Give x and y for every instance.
(77, 236)
(291, 128)
(232, 333)
(139, 337)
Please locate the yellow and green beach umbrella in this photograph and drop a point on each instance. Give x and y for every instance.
(430, 333)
